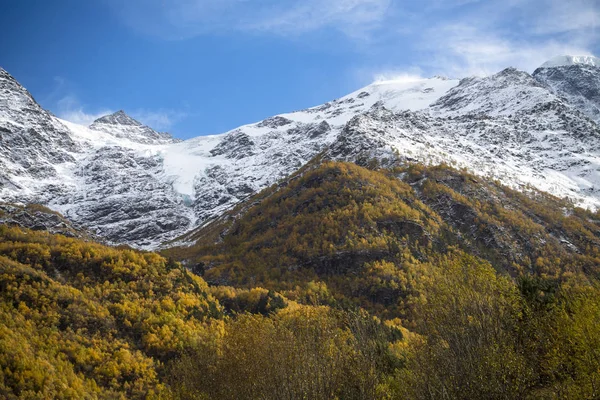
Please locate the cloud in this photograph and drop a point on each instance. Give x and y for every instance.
(561, 16)
(529, 33)
(159, 119)
(182, 19)
(66, 105)
(460, 50)
(352, 17)
(63, 102)
(448, 37)
(410, 75)
(463, 38)
(69, 108)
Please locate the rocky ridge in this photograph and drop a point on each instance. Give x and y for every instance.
(578, 84)
(123, 126)
(39, 218)
(132, 185)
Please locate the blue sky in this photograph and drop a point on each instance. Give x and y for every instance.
(195, 67)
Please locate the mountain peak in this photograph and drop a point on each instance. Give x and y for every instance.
(566, 60)
(6, 76)
(117, 118)
(121, 125)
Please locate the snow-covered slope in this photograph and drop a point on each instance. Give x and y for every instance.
(118, 187)
(218, 171)
(106, 180)
(505, 93)
(33, 145)
(133, 185)
(507, 126)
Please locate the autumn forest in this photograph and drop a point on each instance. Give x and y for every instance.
(340, 282)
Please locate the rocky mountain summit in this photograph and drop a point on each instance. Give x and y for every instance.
(106, 177)
(123, 126)
(130, 184)
(32, 141)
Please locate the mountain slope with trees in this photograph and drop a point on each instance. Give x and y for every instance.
(356, 233)
(342, 282)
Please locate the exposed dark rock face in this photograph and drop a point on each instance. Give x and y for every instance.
(235, 145)
(274, 122)
(32, 142)
(579, 84)
(39, 218)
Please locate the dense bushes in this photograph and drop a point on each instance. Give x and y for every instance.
(473, 334)
(301, 352)
(468, 319)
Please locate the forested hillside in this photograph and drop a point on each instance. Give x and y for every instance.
(356, 235)
(340, 282)
(81, 320)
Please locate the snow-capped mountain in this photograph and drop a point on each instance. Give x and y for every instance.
(132, 185)
(33, 142)
(219, 171)
(121, 125)
(506, 126)
(108, 177)
(576, 79)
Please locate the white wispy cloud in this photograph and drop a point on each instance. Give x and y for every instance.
(352, 17)
(458, 50)
(63, 101)
(450, 37)
(181, 19)
(404, 75)
(70, 109)
(560, 16)
(159, 119)
(479, 38)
